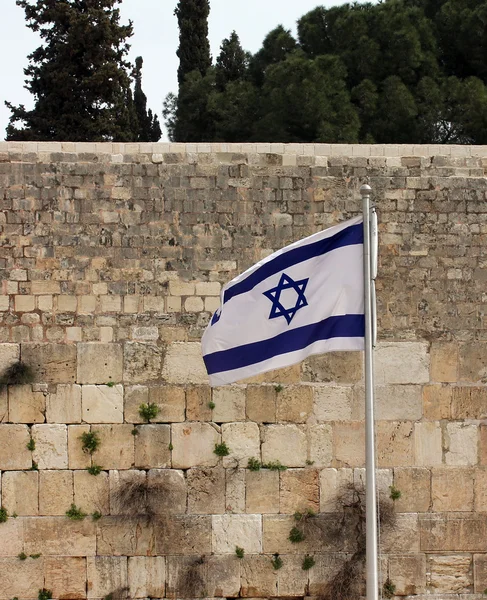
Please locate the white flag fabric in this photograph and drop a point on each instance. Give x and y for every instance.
(307, 298)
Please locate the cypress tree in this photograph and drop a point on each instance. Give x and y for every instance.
(148, 128)
(79, 76)
(232, 63)
(194, 47)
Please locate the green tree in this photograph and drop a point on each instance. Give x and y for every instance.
(275, 48)
(149, 129)
(79, 76)
(232, 62)
(234, 111)
(194, 47)
(191, 119)
(395, 118)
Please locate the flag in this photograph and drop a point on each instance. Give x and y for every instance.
(307, 298)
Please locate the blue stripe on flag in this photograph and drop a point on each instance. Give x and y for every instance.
(347, 237)
(346, 326)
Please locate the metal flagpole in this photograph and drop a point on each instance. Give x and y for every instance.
(370, 483)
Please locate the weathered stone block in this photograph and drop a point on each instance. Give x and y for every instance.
(437, 402)
(396, 402)
(206, 490)
(26, 405)
(106, 574)
(332, 482)
(3, 405)
(473, 367)
(51, 363)
(135, 538)
(452, 489)
(284, 443)
(12, 538)
(21, 579)
(20, 492)
(186, 534)
(332, 403)
(453, 533)
(394, 443)
(9, 354)
(401, 362)
(444, 362)
(128, 493)
(55, 492)
(257, 580)
(152, 446)
(349, 442)
(299, 490)
(171, 401)
(262, 491)
(415, 487)
(461, 444)
(166, 492)
(428, 450)
(480, 571)
(294, 404)
(186, 577)
(229, 404)
(326, 568)
(339, 367)
(469, 403)
(184, 364)
(65, 577)
(99, 363)
(91, 492)
(142, 362)
(134, 396)
(480, 490)
(102, 403)
(320, 444)
(146, 576)
(243, 441)
(58, 536)
(198, 398)
(261, 403)
(116, 449)
(292, 579)
(450, 574)
(408, 573)
(51, 446)
(286, 375)
(77, 458)
(235, 490)
(13, 447)
(223, 578)
(404, 537)
(193, 445)
(230, 531)
(65, 405)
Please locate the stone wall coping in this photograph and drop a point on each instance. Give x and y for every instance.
(363, 150)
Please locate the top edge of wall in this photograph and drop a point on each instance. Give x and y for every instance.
(364, 150)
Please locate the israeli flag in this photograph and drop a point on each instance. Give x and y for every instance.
(307, 298)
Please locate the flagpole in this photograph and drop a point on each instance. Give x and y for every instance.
(372, 579)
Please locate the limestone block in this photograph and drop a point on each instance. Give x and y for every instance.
(384, 480)
(3, 405)
(142, 362)
(461, 444)
(12, 538)
(206, 490)
(243, 441)
(444, 362)
(166, 492)
(51, 363)
(428, 449)
(257, 580)
(193, 445)
(77, 458)
(55, 492)
(186, 576)
(473, 367)
(128, 493)
(326, 568)
(404, 537)
(469, 403)
(480, 490)
(59, 536)
(294, 403)
(99, 363)
(185, 534)
(394, 443)
(65, 405)
(286, 375)
(292, 579)
(332, 403)
(480, 572)
(235, 490)
(284, 443)
(198, 398)
(91, 492)
(450, 574)
(65, 576)
(401, 362)
(106, 574)
(456, 532)
(20, 492)
(408, 573)
(396, 402)
(13, 447)
(415, 487)
(229, 404)
(299, 491)
(332, 482)
(184, 364)
(171, 401)
(21, 579)
(116, 449)
(437, 402)
(320, 444)
(152, 446)
(134, 396)
(339, 367)
(262, 491)
(51, 446)
(275, 536)
(146, 576)
(25, 405)
(9, 354)
(261, 403)
(223, 578)
(230, 531)
(452, 489)
(102, 403)
(135, 538)
(349, 442)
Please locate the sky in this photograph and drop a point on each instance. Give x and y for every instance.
(155, 39)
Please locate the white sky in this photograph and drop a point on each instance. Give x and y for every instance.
(155, 39)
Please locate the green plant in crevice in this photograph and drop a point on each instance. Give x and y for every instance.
(239, 552)
(211, 405)
(395, 494)
(149, 411)
(17, 374)
(254, 464)
(94, 469)
(278, 388)
(277, 562)
(274, 466)
(296, 535)
(308, 563)
(135, 431)
(221, 449)
(110, 384)
(90, 441)
(35, 466)
(44, 594)
(22, 556)
(304, 516)
(388, 589)
(35, 556)
(75, 513)
(96, 516)
(3, 515)
(31, 445)
(170, 447)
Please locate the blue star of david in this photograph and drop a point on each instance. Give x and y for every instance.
(274, 295)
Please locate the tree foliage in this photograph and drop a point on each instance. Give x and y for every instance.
(194, 47)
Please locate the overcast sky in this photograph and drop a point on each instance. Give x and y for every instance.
(155, 39)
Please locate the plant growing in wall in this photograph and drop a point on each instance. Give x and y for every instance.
(17, 374)
(3, 515)
(221, 449)
(149, 411)
(44, 594)
(75, 513)
(90, 441)
(94, 470)
(135, 499)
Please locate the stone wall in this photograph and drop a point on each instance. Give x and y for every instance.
(112, 260)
